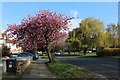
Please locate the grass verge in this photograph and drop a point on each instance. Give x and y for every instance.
(65, 70)
(44, 57)
(112, 56)
(80, 54)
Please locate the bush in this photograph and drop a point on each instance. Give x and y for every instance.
(33, 51)
(108, 52)
(5, 51)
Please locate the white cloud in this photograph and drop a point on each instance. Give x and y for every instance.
(74, 23)
(74, 13)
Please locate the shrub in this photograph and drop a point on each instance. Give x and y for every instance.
(33, 51)
(5, 51)
(109, 52)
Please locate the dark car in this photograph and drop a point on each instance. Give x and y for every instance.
(26, 54)
(14, 55)
(44, 54)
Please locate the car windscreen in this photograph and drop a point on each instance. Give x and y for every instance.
(15, 54)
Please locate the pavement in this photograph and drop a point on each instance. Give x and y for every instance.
(107, 67)
(39, 70)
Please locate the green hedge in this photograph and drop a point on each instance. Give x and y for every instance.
(109, 52)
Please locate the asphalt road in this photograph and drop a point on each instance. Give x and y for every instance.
(107, 67)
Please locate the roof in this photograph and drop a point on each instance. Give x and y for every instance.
(10, 41)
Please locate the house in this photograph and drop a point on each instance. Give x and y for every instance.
(10, 43)
(2, 40)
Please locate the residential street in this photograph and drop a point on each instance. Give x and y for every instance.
(60, 40)
(103, 66)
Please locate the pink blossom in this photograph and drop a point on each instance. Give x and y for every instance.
(44, 27)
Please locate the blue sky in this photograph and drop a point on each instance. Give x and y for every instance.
(13, 12)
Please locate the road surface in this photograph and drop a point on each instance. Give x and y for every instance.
(107, 67)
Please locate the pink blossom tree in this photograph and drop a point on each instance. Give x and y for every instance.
(45, 28)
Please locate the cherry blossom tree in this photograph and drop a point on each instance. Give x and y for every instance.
(44, 28)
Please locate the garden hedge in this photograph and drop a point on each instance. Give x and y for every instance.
(109, 52)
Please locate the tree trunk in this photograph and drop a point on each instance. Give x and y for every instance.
(69, 52)
(98, 48)
(51, 60)
(62, 51)
(85, 51)
(74, 52)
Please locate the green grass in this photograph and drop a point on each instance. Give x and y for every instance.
(44, 57)
(80, 54)
(112, 56)
(90, 54)
(65, 70)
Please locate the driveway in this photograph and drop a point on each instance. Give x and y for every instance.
(107, 67)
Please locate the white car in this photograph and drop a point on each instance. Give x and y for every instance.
(57, 53)
(89, 51)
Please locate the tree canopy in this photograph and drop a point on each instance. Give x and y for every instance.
(90, 33)
(44, 28)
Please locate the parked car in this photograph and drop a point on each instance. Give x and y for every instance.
(44, 54)
(5, 57)
(57, 53)
(25, 54)
(89, 51)
(39, 53)
(14, 55)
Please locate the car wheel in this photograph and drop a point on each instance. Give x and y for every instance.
(34, 58)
